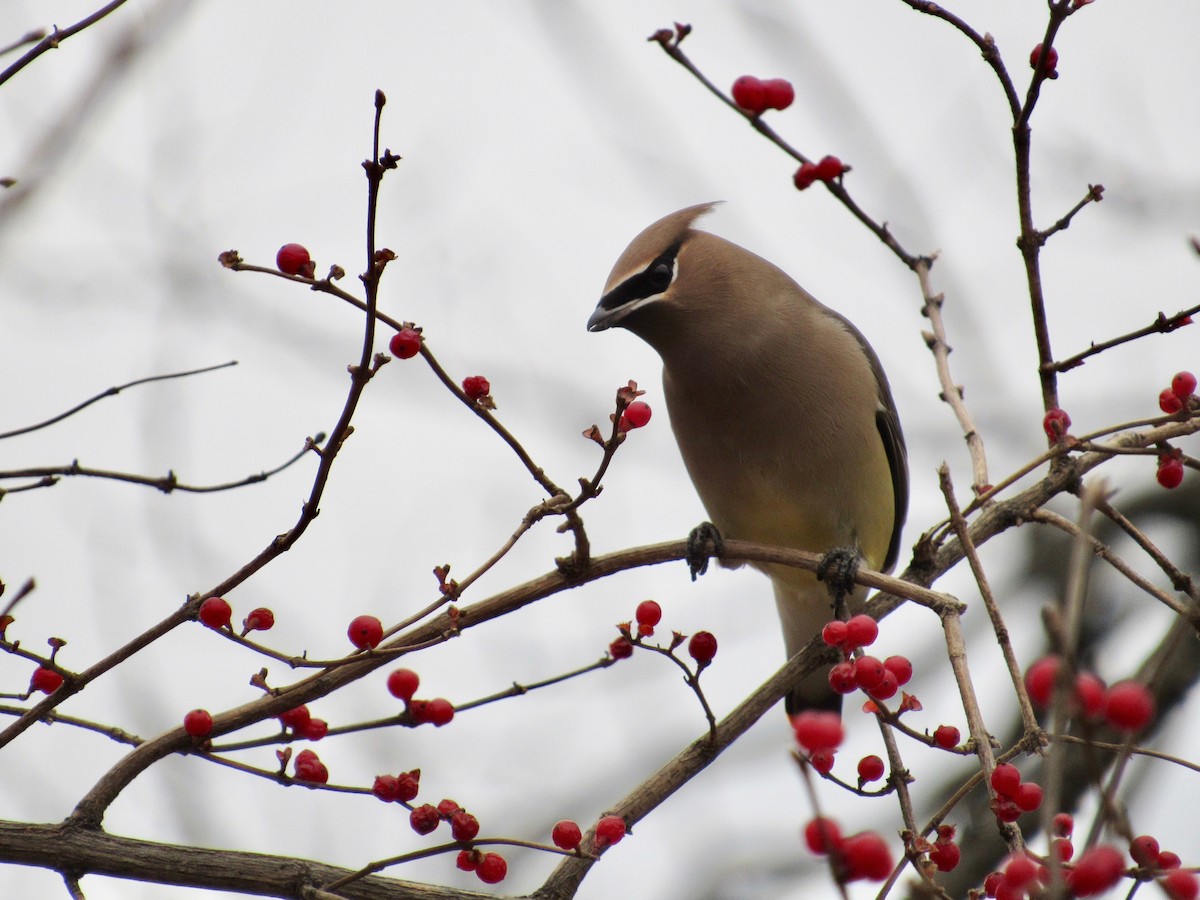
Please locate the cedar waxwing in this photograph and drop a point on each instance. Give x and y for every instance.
(780, 408)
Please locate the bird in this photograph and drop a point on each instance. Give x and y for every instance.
(781, 410)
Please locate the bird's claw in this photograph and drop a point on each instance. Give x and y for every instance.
(837, 569)
(703, 543)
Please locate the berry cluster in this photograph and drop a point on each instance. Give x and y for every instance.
(1180, 397)
(943, 852)
(1127, 706)
(879, 679)
(756, 95)
(308, 767)
(828, 169)
(860, 856)
(303, 724)
(1012, 796)
(402, 684)
(702, 647)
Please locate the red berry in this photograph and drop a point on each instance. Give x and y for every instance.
(292, 259)
(198, 723)
(1170, 471)
(308, 767)
(1028, 796)
(780, 93)
(365, 632)
(566, 835)
(636, 415)
(407, 785)
(621, 648)
(215, 613)
(805, 176)
(609, 831)
(750, 94)
(822, 761)
(405, 343)
(296, 719)
(648, 613)
(315, 729)
(1183, 385)
(463, 826)
(1064, 824)
(447, 807)
(829, 168)
(887, 688)
(1006, 778)
(834, 633)
(869, 673)
(1169, 402)
(1096, 871)
(1128, 706)
(841, 678)
(1006, 810)
(492, 868)
(900, 667)
(386, 788)
(1180, 885)
(1056, 423)
(870, 768)
(402, 684)
(993, 883)
(1144, 850)
(1168, 860)
(1051, 59)
(861, 631)
(45, 680)
(1040, 678)
(946, 737)
(261, 619)
(1089, 695)
(1020, 871)
(702, 647)
(424, 818)
(822, 835)
(417, 711)
(945, 855)
(439, 711)
(474, 386)
(469, 860)
(866, 855)
(1062, 848)
(817, 730)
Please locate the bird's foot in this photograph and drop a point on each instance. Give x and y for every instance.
(837, 569)
(703, 543)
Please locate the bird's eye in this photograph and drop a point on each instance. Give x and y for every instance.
(659, 275)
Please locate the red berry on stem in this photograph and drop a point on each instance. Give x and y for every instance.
(648, 613)
(702, 647)
(822, 835)
(296, 718)
(402, 684)
(805, 176)
(780, 93)
(405, 343)
(261, 619)
(291, 259)
(869, 673)
(1169, 402)
(215, 613)
(887, 688)
(315, 729)
(946, 737)
(476, 387)
(1040, 678)
(900, 667)
(1089, 695)
(469, 860)
(1170, 471)
(609, 831)
(829, 168)
(636, 415)
(386, 788)
(861, 631)
(945, 855)
(822, 761)
(1129, 706)
(566, 835)
(492, 868)
(1180, 885)
(1056, 423)
(834, 633)
(448, 807)
(841, 678)
(621, 648)
(1006, 778)
(439, 711)
(463, 826)
(1028, 796)
(407, 785)
(1169, 860)
(1020, 871)
(1051, 60)
(1144, 850)
(365, 632)
(1183, 385)
(308, 767)
(198, 723)
(424, 818)
(750, 94)
(45, 680)
(1096, 871)
(866, 855)
(1064, 824)
(870, 768)
(818, 730)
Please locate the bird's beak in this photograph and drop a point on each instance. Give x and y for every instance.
(602, 318)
